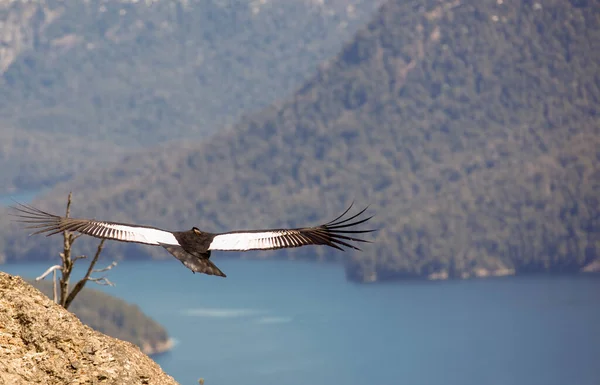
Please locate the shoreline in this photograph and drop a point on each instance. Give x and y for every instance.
(592, 268)
(158, 348)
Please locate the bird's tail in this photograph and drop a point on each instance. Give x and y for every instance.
(195, 264)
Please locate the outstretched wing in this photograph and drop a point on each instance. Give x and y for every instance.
(51, 224)
(334, 234)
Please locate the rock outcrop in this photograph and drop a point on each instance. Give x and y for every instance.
(42, 343)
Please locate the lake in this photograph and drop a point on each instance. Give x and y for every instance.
(294, 323)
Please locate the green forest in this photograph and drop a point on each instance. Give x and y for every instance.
(471, 128)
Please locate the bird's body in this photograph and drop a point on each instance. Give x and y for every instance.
(193, 247)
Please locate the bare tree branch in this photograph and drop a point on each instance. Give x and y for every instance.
(66, 268)
(79, 285)
(79, 257)
(107, 268)
(101, 281)
(67, 262)
(50, 270)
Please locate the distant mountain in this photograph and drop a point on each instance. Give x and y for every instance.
(139, 73)
(471, 127)
(143, 72)
(33, 161)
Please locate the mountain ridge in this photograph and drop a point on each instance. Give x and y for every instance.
(470, 126)
(138, 74)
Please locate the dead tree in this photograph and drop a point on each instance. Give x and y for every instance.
(66, 297)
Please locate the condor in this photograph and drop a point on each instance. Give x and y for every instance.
(193, 247)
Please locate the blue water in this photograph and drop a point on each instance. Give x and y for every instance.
(274, 323)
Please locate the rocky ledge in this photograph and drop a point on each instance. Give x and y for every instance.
(42, 343)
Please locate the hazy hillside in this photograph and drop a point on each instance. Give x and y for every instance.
(31, 161)
(114, 317)
(471, 127)
(139, 73)
(143, 72)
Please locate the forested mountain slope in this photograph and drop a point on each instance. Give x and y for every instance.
(471, 127)
(139, 73)
(33, 161)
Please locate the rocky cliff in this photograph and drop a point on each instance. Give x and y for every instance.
(42, 343)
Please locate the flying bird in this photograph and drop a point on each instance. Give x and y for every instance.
(193, 247)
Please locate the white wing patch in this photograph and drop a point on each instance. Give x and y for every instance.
(145, 235)
(256, 241)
